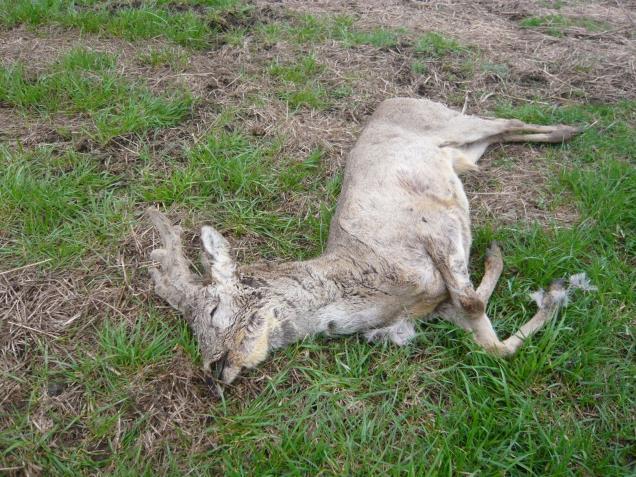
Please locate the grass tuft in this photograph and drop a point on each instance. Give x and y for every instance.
(436, 46)
(56, 208)
(175, 59)
(87, 82)
(556, 25)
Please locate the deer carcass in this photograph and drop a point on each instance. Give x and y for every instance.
(398, 249)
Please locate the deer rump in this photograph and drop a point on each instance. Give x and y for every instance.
(398, 250)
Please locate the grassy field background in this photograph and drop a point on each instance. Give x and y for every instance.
(241, 114)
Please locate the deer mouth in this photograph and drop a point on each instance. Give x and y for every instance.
(218, 367)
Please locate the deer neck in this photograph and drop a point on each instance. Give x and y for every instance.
(323, 295)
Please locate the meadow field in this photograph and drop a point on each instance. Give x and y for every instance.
(241, 114)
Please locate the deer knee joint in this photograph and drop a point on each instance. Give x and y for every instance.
(472, 304)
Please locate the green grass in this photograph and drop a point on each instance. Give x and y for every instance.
(301, 83)
(378, 37)
(556, 25)
(298, 72)
(436, 46)
(249, 190)
(85, 82)
(456, 61)
(304, 29)
(419, 67)
(61, 207)
(56, 208)
(104, 371)
(173, 58)
(188, 26)
(116, 391)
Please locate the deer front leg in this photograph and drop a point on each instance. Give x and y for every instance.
(492, 273)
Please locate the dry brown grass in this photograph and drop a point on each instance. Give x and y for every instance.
(525, 65)
(51, 312)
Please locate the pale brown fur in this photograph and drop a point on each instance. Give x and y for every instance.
(398, 249)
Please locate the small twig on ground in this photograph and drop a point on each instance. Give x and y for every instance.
(6, 272)
(35, 330)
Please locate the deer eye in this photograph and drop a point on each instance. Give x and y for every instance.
(213, 311)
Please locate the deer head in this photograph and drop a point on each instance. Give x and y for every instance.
(224, 315)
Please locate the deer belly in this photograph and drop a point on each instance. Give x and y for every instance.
(422, 309)
(345, 319)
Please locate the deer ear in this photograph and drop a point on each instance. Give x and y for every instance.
(218, 261)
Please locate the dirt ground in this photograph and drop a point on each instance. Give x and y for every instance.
(511, 64)
(521, 65)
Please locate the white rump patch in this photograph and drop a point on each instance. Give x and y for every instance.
(560, 297)
(582, 282)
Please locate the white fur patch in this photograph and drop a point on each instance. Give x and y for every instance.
(582, 282)
(561, 297)
(538, 297)
(399, 333)
(557, 297)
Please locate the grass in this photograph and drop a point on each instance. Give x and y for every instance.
(556, 25)
(456, 61)
(435, 45)
(306, 29)
(419, 67)
(150, 19)
(298, 72)
(172, 58)
(247, 188)
(116, 391)
(56, 208)
(378, 37)
(87, 82)
(197, 24)
(301, 83)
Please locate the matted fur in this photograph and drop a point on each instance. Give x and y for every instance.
(398, 249)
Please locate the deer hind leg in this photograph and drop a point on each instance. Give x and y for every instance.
(484, 334)
(535, 133)
(466, 150)
(479, 323)
(466, 307)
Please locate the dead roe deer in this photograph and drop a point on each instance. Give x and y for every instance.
(398, 250)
